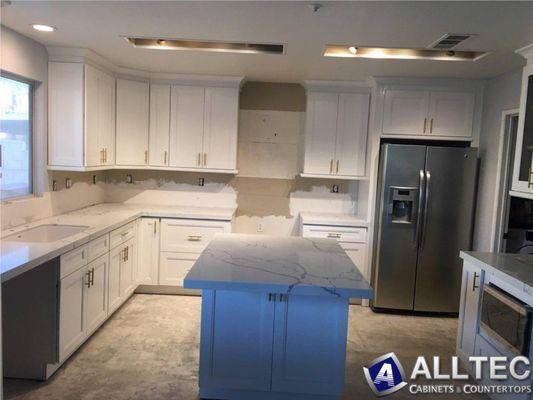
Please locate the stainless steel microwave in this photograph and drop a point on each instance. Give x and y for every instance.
(506, 319)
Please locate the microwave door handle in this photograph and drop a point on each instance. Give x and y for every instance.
(426, 204)
(419, 209)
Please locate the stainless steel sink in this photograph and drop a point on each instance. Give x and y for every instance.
(45, 233)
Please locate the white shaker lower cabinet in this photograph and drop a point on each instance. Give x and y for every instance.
(127, 283)
(174, 267)
(115, 260)
(473, 278)
(71, 321)
(148, 251)
(95, 299)
(266, 353)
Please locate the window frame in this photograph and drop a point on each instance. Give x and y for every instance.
(31, 107)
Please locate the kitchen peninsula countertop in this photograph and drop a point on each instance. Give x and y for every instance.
(18, 257)
(516, 269)
(286, 265)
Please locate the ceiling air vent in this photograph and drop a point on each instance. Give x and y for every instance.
(450, 41)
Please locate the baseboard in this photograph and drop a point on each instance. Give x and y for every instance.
(163, 289)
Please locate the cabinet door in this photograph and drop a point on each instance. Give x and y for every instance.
(127, 284)
(405, 112)
(451, 114)
(352, 133)
(65, 114)
(236, 347)
(174, 267)
(132, 122)
(220, 128)
(159, 124)
(314, 365)
(189, 235)
(116, 256)
(95, 309)
(469, 309)
(320, 133)
(106, 114)
(148, 252)
(71, 325)
(186, 126)
(93, 149)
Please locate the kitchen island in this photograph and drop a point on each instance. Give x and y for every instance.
(274, 316)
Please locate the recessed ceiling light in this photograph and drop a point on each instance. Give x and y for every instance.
(204, 45)
(43, 28)
(401, 54)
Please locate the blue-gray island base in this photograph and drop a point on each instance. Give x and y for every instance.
(274, 317)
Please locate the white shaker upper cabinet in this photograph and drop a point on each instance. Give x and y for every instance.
(352, 132)
(320, 133)
(221, 116)
(132, 122)
(81, 109)
(186, 126)
(405, 112)
(159, 125)
(451, 114)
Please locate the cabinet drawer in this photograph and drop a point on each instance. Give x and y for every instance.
(97, 247)
(73, 260)
(122, 234)
(174, 267)
(189, 236)
(342, 234)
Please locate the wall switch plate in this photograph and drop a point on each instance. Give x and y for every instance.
(68, 183)
(335, 189)
(259, 227)
(129, 178)
(54, 185)
(201, 181)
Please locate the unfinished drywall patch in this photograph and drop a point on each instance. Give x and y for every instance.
(273, 96)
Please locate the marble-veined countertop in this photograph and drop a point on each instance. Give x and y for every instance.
(295, 265)
(516, 269)
(18, 257)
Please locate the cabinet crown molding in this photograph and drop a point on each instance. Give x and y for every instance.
(85, 55)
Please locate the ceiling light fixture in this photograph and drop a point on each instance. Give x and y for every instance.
(201, 45)
(43, 28)
(401, 54)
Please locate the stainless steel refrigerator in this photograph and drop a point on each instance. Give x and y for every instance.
(424, 217)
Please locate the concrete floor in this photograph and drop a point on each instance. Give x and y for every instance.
(148, 350)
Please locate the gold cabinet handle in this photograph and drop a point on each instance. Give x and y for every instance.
(101, 155)
(146, 156)
(88, 280)
(425, 123)
(337, 169)
(529, 182)
(199, 159)
(155, 227)
(334, 235)
(165, 158)
(431, 126)
(105, 154)
(194, 238)
(330, 166)
(205, 159)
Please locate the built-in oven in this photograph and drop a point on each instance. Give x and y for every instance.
(506, 319)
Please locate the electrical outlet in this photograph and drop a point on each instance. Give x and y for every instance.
(259, 227)
(129, 178)
(94, 179)
(201, 181)
(54, 185)
(68, 183)
(335, 189)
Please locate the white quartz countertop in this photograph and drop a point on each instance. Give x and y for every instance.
(18, 257)
(516, 269)
(313, 218)
(286, 265)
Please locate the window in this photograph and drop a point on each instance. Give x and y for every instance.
(16, 99)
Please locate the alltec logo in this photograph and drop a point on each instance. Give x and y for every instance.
(385, 375)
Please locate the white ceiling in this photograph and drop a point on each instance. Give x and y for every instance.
(502, 27)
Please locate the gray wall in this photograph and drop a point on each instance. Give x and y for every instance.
(501, 93)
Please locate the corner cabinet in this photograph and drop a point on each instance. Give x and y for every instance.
(522, 183)
(336, 133)
(81, 117)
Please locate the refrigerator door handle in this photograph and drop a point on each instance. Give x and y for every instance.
(419, 211)
(426, 203)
